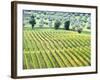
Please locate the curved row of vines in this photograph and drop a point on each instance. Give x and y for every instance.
(55, 49)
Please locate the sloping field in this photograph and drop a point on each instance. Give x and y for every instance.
(47, 48)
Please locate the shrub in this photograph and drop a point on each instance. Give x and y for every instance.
(88, 27)
(38, 17)
(79, 30)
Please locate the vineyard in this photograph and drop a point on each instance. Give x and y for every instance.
(49, 48)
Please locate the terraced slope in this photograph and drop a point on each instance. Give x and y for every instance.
(47, 48)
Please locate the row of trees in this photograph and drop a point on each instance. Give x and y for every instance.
(66, 25)
(57, 24)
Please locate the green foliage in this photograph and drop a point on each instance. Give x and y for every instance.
(68, 19)
(88, 27)
(55, 49)
(79, 30)
(32, 21)
(57, 24)
(38, 18)
(66, 25)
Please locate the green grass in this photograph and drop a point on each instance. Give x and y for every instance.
(49, 48)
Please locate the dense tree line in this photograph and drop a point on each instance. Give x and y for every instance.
(59, 20)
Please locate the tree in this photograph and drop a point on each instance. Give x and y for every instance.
(32, 21)
(57, 24)
(66, 25)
